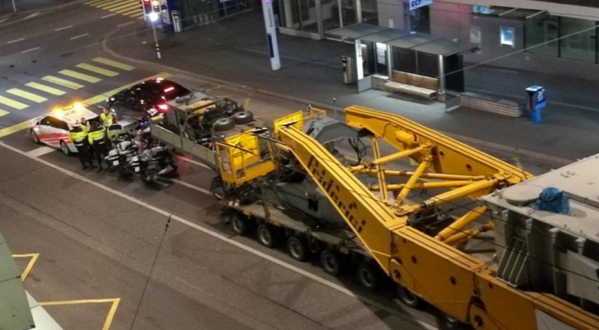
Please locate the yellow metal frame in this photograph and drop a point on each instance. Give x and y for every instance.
(451, 280)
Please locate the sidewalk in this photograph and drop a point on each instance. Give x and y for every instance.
(235, 50)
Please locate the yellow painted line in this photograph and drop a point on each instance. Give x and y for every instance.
(107, 3)
(103, 96)
(3, 113)
(27, 95)
(97, 69)
(130, 12)
(62, 82)
(140, 15)
(47, 89)
(33, 257)
(13, 129)
(94, 2)
(113, 63)
(115, 304)
(80, 76)
(12, 103)
(118, 5)
(127, 8)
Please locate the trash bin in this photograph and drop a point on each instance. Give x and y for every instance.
(536, 102)
(347, 70)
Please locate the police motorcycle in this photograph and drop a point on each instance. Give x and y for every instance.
(154, 162)
(121, 155)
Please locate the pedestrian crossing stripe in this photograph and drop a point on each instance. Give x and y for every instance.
(114, 64)
(27, 95)
(130, 13)
(96, 69)
(117, 6)
(62, 82)
(3, 113)
(80, 76)
(47, 89)
(131, 8)
(109, 3)
(12, 103)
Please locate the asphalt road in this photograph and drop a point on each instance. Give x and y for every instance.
(104, 242)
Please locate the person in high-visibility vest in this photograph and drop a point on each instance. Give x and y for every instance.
(79, 138)
(97, 140)
(106, 117)
(84, 124)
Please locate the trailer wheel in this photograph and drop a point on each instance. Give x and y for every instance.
(331, 262)
(314, 246)
(408, 298)
(297, 248)
(451, 321)
(240, 224)
(268, 236)
(368, 276)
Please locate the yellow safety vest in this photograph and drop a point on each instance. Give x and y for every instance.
(85, 127)
(96, 135)
(106, 119)
(77, 137)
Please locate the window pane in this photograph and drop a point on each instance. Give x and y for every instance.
(370, 12)
(577, 45)
(539, 33)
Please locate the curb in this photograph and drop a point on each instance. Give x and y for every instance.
(532, 156)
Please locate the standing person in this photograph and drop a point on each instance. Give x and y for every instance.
(79, 138)
(106, 117)
(97, 140)
(84, 124)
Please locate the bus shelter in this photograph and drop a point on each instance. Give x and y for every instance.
(380, 50)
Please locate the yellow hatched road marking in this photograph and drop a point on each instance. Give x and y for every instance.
(27, 95)
(139, 14)
(134, 11)
(27, 270)
(62, 82)
(97, 69)
(12, 103)
(125, 8)
(13, 129)
(3, 113)
(80, 76)
(47, 89)
(93, 2)
(107, 3)
(113, 63)
(118, 6)
(115, 304)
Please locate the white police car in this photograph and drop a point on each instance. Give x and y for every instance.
(53, 129)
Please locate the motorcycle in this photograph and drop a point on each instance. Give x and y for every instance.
(154, 162)
(121, 157)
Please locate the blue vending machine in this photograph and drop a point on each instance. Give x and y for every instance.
(536, 102)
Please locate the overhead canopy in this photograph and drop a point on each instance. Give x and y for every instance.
(386, 35)
(413, 40)
(445, 47)
(356, 31)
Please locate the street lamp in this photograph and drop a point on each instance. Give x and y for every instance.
(154, 15)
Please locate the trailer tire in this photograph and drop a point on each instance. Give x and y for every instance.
(368, 275)
(297, 248)
(268, 236)
(314, 246)
(331, 262)
(224, 124)
(451, 321)
(240, 224)
(243, 117)
(408, 298)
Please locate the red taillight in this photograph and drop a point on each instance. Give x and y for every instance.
(163, 106)
(169, 89)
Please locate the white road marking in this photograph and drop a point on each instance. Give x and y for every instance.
(80, 36)
(3, 20)
(123, 24)
(109, 15)
(40, 151)
(30, 50)
(32, 15)
(63, 28)
(16, 40)
(190, 186)
(185, 159)
(226, 239)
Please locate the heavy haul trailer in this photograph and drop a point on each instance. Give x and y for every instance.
(412, 242)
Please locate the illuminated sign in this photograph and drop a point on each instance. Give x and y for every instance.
(507, 36)
(415, 4)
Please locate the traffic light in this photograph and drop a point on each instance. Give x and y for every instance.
(147, 6)
(156, 6)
